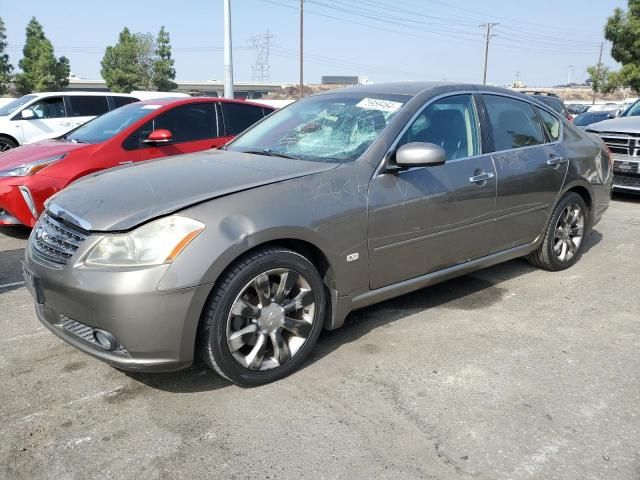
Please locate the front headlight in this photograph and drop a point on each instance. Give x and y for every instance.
(155, 243)
(32, 167)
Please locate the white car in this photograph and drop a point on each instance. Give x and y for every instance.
(53, 113)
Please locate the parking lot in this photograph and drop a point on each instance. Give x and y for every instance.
(508, 373)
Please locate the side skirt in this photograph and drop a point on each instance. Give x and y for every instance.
(345, 305)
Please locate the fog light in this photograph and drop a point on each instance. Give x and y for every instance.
(105, 340)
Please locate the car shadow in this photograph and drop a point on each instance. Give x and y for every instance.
(469, 292)
(11, 270)
(625, 197)
(17, 231)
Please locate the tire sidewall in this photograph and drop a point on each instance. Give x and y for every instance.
(566, 200)
(218, 332)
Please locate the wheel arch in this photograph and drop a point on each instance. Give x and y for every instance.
(582, 189)
(10, 137)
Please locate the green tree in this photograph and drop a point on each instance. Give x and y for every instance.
(163, 67)
(602, 79)
(623, 31)
(41, 70)
(128, 65)
(5, 67)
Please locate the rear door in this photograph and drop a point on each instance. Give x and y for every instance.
(238, 117)
(193, 128)
(83, 108)
(425, 219)
(531, 168)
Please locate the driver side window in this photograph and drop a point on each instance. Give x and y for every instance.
(52, 107)
(451, 123)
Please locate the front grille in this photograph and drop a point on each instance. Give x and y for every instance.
(623, 166)
(625, 180)
(85, 332)
(54, 241)
(622, 143)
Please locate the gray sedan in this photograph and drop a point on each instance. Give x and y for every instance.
(340, 200)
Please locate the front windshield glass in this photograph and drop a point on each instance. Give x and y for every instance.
(633, 111)
(106, 126)
(14, 105)
(585, 119)
(330, 127)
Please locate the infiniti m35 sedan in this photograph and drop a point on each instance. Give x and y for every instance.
(340, 200)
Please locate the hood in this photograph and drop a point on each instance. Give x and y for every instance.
(37, 151)
(124, 197)
(620, 124)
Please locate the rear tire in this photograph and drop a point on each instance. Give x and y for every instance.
(563, 240)
(263, 317)
(7, 143)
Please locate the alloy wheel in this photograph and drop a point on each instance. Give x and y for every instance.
(568, 233)
(271, 319)
(4, 146)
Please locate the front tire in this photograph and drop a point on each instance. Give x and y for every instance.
(564, 238)
(263, 317)
(6, 144)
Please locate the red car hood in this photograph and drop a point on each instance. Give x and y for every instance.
(37, 151)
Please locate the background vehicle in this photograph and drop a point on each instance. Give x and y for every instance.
(136, 132)
(585, 119)
(577, 108)
(552, 100)
(53, 112)
(340, 200)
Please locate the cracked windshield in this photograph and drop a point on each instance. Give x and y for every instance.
(330, 128)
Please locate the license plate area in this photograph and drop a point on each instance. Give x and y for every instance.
(33, 285)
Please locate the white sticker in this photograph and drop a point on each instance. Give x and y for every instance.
(150, 107)
(377, 104)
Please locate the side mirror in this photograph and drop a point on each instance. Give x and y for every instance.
(420, 154)
(27, 114)
(159, 136)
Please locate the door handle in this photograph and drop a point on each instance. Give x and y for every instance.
(482, 177)
(556, 161)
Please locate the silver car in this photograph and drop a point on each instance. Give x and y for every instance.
(340, 200)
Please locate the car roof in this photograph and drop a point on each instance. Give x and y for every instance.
(416, 88)
(185, 100)
(74, 93)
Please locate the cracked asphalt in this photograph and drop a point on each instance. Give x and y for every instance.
(508, 373)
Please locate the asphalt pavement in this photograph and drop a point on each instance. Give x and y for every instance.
(508, 373)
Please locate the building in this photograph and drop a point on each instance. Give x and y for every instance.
(209, 88)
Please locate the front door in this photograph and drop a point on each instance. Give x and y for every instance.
(50, 116)
(531, 168)
(428, 218)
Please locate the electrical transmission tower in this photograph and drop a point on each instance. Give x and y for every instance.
(261, 45)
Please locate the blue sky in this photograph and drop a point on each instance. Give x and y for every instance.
(386, 40)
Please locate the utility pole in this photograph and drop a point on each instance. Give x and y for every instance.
(598, 66)
(228, 56)
(488, 35)
(301, 48)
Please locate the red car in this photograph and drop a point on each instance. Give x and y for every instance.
(139, 131)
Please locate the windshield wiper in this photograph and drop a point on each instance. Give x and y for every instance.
(269, 153)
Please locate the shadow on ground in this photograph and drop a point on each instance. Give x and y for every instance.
(10, 269)
(15, 232)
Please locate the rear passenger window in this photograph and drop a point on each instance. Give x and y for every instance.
(120, 101)
(450, 123)
(239, 117)
(551, 123)
(514, 123)
(88, 106)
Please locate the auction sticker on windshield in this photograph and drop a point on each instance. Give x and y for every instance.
(150, 107)
(377, 104)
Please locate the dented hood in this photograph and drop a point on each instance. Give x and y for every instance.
(122, 198)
